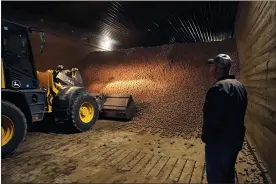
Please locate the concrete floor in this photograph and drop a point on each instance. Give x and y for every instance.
(122, 152)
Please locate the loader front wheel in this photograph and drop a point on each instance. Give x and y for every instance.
(83, 112)
(14, 128)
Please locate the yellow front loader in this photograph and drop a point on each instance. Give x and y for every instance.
(27, 95)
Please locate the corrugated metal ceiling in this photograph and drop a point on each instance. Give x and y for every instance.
(125, 24)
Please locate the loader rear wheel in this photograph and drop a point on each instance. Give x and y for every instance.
(14, 128)
(83, 112)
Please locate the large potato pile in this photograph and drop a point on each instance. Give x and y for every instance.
(168, 83)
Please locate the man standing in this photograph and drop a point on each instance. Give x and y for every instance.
(223, 121)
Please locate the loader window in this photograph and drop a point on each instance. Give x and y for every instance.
(16, 51)
(16, 46)
(17, 55)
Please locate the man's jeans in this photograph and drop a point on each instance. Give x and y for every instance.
(220, 164)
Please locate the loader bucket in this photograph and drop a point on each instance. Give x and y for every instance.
(116, 106)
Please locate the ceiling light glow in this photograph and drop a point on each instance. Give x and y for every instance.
(107, 43)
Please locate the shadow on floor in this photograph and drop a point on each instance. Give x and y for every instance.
(48, 125)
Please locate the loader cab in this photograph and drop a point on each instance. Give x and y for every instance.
(17, 57)
(20, 84)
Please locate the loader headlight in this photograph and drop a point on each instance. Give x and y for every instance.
(34, 98)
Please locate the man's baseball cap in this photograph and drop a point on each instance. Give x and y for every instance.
(221, 61)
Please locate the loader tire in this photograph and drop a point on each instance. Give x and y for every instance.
(14, 128)
(83, 112)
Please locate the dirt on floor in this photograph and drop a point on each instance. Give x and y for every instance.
(116, 152)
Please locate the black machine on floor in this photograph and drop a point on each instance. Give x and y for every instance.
(28, 94)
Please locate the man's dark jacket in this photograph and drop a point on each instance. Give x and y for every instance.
(223, 114)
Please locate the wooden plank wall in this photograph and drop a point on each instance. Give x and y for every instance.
(256, 43)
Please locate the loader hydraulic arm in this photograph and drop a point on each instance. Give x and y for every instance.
(55, 80)
(47, 83)
(68, 77)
